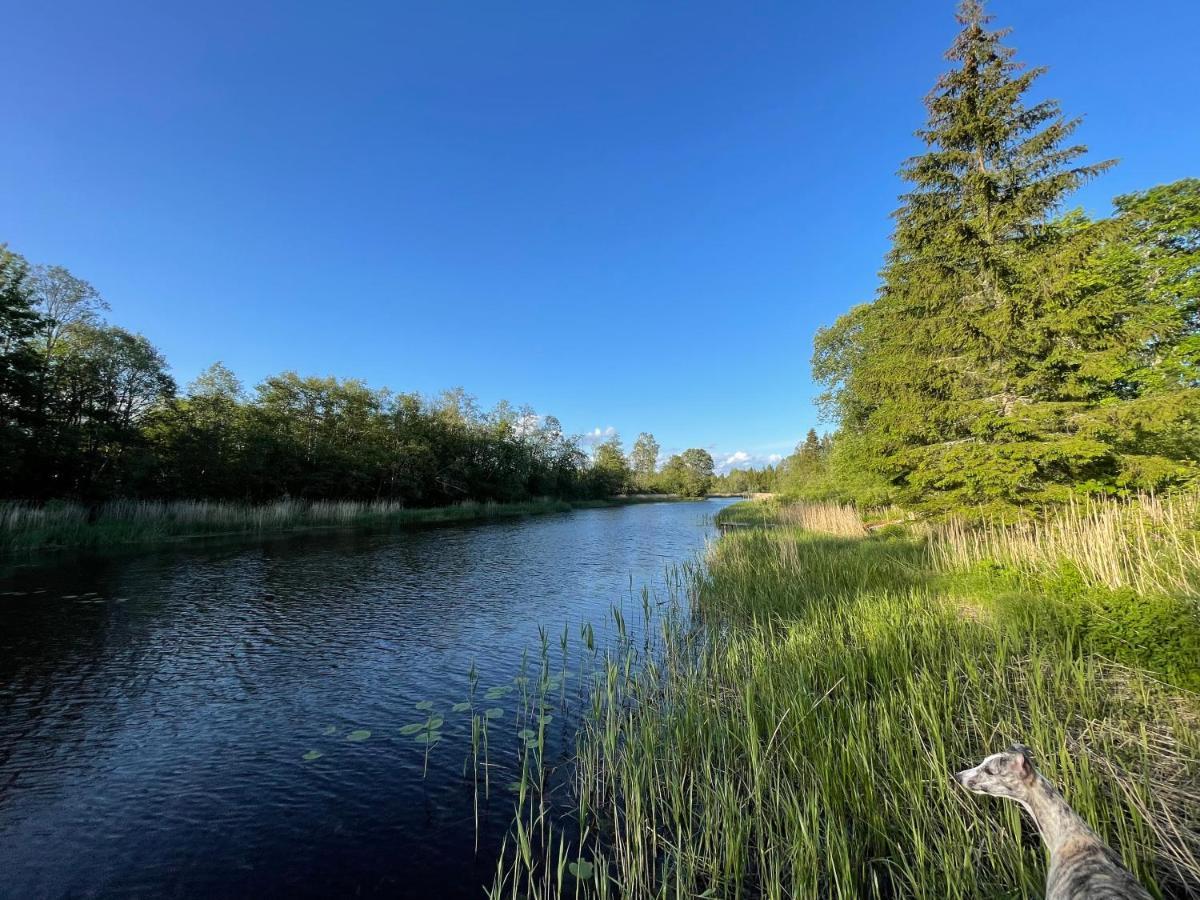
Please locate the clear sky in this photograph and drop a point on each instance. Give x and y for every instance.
(629, 215)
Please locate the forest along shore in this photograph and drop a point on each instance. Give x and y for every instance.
(61, 526)
(801, 742)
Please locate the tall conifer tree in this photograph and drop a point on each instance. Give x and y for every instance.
(941, 384)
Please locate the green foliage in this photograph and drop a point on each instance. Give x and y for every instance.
(688, 474)
(610, 474)
(1012, 357)
(19, 324)
(88, 412)
(643, 460)
(1158, 633)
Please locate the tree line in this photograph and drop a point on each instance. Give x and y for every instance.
(90, 412)
(1016, 354)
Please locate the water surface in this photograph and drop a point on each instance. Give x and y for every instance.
(156, 707)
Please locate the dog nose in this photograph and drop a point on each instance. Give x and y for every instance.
(960, 777)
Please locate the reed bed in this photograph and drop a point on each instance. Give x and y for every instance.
(25, 527)
(796, 735)
(841, 520)
(1150, 544)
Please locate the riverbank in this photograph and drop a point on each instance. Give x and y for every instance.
(60, 526)
(801, 743)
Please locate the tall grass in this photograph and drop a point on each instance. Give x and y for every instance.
(1147, 543)
(827, 518)
(1150, 544)
(25, 527)
(800, 743)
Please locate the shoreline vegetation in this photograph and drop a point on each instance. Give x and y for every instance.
(26, 528)
(795, 735)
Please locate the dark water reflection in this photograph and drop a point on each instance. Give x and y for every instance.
(155, 708)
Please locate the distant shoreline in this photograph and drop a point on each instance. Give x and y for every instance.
(56, 527)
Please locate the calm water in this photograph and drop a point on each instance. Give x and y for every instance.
(155, 708)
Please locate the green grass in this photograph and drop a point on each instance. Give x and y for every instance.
(749, 512)
(800, 744)
(26, 528)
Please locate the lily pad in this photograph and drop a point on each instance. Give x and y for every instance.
(428, 737)
(434, 723)
(412, 728)
(581, 870)
(329, 730)
(461, 707)
(527, 734)
(545, 720)
(358, 735)
(425, 704)
(494, 712)
(311, 755)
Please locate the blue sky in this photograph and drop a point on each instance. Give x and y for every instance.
(633, 216)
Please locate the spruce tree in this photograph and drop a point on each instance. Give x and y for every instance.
(941, 383)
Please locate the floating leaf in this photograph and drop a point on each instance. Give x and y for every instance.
(494, 712)
(360, 735)
(311, 755)
(413, 728)
(461, 707)
(526, 734)
(514, 786)
(425, 704)
(545, 720)
(329, 730)
(428, 737)
(521, 680)
(434, 723)
(581, 870)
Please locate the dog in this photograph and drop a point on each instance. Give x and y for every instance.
(1081, 864)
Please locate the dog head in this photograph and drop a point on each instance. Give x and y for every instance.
(1008, 774)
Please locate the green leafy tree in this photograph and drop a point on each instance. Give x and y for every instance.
(610, 470)
(688, 474)
(107, 383)
(644, 460)
(200, 437)
(19, 366)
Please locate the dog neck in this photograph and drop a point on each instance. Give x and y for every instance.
(1055, 819)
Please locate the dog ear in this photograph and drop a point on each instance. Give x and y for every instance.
(1026, 763)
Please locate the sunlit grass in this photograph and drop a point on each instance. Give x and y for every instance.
(1150, 544)
(799, 743)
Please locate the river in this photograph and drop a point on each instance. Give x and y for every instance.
(192, 721)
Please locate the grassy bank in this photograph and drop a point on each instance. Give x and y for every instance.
(56, 526)
(800, 743)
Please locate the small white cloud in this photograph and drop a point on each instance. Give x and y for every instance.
(742, 459)
(736, 460)
(596, 435)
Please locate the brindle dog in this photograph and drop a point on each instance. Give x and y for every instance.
(1081, 864)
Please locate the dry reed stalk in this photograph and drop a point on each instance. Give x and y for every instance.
(1147, 543)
